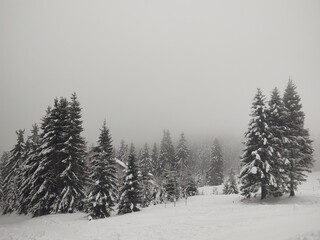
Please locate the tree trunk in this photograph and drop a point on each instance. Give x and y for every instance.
(291, 193)
(263, 192)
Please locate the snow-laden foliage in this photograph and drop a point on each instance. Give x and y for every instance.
(130, 193)
(182, 159)
(30, 166)
(123, 152)
(298, 144)
(73, 175)
(167, 158)
(277, 131)
(147, 181)
(230, 185)
(215, 172)
(103, 188)
(255, 172)
(12, 175)
(3, 161)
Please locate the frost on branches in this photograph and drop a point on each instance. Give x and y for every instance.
(255, 172)
(103, 181)
(130, 193)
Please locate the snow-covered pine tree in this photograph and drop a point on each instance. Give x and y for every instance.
(123, 152)
(3, 161)
(255, 167)
(168, 166)
(215, 172)
(12, 175)
(146, 177)
(73, 175)
(155, 160)
(191, 186)
(277, 130)
(298, 145)
(47, 180)
(103, 181)
(230, 185)
(130, 193)
(166, 157)
(182, 159)
(29, 168)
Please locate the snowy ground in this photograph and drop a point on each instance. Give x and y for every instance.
(205, 216)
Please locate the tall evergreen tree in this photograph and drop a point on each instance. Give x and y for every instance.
(277, 132)
(29, 168)
(12, 175)
(255, 167)
(182, 159)
(215, 172)
(167, 160)
(130, 193)
(146, 176)
(48, 178)
(103, 187)
(3, 161)
(298, 145)
(230, 185)
(123, 152)
(73, 175)
(155, 161)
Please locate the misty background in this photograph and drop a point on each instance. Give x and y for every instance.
(144, 65)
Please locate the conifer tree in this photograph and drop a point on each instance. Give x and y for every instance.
(299, 150)
(191, 187)
(182, 159)
(146, 177)
(29, 168)
(167, 159)
(12, 175)
(155, 161)
(3, 161)
(277, 132)
(47, 180)
(255, 167)
(130, 193)
(215, 172)
(103, 181)
(73, 175)
(123, 152)
(171, 185)
(230, 185)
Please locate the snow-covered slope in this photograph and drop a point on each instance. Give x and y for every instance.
(205, 216)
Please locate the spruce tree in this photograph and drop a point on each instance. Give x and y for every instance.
(123, 152)
(277, 132)
(230, 185)
(73, 175)
(130, 193)
(255, 167)
(215, 172)
(172, 186)
(190, 189)
(167, 160)
(103, 181)
(146, 176)
(182, 159)
(3, 161)
(155, 161)
(48, 181)
(168, 167)
(29, 168)
(12, 175)
(298, 146)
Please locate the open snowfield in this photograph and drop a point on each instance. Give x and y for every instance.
(205, 216)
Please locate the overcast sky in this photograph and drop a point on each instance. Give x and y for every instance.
(146, 65)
